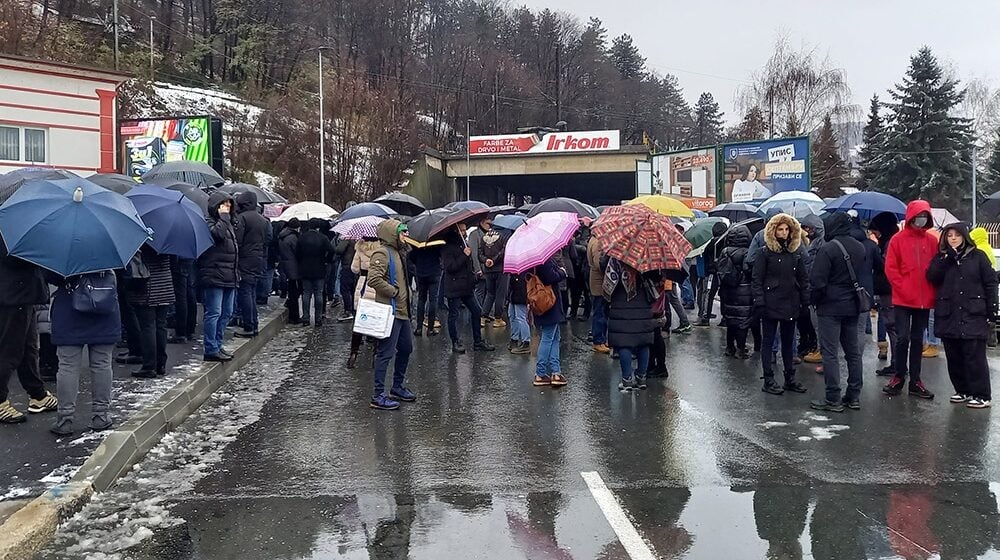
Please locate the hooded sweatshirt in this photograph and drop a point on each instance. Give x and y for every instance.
(982, 239)
(907, 258)
(816, 240)
(385, 257)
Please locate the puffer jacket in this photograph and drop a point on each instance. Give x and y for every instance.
(158, 289)
(735, 279)
(21, 283)
(630, 321)
(966, 284)
(459, 274)
(218, 266)
(981, 238)
(253, 234)
(907, 259)
(816, 240)
(314, 253)
(288, 248)
(780, 284)
(833, 291)
(387, 271)
(363, 251)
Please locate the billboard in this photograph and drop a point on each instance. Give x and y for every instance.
(551, 142)
(148, 142)
(757, 170)
(687, 175)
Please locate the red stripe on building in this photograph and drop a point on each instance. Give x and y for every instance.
(49, 92)
(107, 130)
(61, 74)
(50, 109)
(47, 166)
(49, 125)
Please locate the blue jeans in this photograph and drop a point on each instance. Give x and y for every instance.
(312, 292)
(400, 345)
(929, 337)
(218, 304)
(265, 284)
(625, 360)
(599, 321)
(548, 351)
(247, 296)
(475, 315)
(519, 329)
(687, 292)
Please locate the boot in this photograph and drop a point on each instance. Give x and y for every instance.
(883, 350)
(931, 351)
(792, 385)
(771, 387)
(352, 360)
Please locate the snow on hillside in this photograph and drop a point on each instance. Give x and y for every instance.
(184, 100)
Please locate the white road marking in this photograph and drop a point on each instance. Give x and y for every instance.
(636, 548)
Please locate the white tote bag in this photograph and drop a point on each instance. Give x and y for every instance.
(374, 319)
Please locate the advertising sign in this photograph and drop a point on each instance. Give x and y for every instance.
(146, 143)
(552, 142)
(754, 171)
(687, 175)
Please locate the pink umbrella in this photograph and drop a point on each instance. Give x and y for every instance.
(359, 228)
(538, 239)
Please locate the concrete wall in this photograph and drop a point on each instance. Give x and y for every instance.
(429, 184)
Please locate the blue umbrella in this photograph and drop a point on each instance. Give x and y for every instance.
(178, 224)
(510, 222)
(365, 209)
(868, 204)
(71, 226)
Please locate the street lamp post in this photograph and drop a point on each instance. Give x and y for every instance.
(975, 193)
(151, 20)
(322, 134)
(114, 14)
(468, 151)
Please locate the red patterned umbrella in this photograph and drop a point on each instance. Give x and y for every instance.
(641, 238)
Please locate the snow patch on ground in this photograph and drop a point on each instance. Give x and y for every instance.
(126, 515)
(769, 425)
(15, 493)
(59, 475)
(816, 417)
(827, 432)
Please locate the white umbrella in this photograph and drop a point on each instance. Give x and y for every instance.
(306, 210)
(796, 203)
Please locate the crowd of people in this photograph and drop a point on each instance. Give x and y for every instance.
(804, 291)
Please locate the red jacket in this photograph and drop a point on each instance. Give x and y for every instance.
(907, 258)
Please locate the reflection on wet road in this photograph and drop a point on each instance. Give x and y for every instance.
(484, 465)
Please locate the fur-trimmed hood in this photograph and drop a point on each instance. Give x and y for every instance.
(794, 233)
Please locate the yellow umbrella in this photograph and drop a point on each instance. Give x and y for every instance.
(664, 205)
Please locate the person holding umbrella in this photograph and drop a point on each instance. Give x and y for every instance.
(548, 369)
(460, 281)
(218, 276)
(631, 320)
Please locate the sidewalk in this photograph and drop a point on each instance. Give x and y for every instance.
(35, 460)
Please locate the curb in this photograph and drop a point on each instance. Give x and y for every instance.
(29, 529)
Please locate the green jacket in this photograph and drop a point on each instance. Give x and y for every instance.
(378, 270)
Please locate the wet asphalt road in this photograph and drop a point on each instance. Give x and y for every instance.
(484, 465)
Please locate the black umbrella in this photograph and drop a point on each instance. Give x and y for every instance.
(425, 226)
(989, 211)
(117, 182)
(10, 182)
(365, 209)
(193, 172)
(473, 205)
(753, 224)
(562, 204)
(403, 204)
(193, 193)
(263, 197)
(735, 211)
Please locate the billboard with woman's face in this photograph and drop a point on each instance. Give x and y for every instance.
(754, 171)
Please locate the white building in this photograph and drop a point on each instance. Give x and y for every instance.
(57, 115)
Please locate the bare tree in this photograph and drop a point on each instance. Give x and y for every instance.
(797, 89)
(981, 106)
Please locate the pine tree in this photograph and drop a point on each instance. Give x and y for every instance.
(707, 128)
(753, 126)
(990, 182)
(626, 57)
(872, 137)
(828, 169)
(925, 150)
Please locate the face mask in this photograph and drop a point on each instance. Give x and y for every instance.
(920, 222)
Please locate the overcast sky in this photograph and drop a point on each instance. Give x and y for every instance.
(715, 45)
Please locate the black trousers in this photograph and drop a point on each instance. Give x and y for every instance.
(808, 341)
(153, 333)
(736, 338)
(910, 326)
(579, 289)
(19, 350)
(292, 301)
(130, 322)
(658, 357)
(967, 366)
(185, 301)
(348, 282)
(787, 328)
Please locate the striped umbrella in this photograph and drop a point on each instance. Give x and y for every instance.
(359, 228)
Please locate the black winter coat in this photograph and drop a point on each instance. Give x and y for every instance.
(158, 289)
(736, 293)
(253, 232)
(630, 322)
(314, 253)
(459, 276)
(21, 283)
(833, 291)
(966, 292)
(217, 267)
(780, 285)
(288, 242)
(517, 292)
(426, 262)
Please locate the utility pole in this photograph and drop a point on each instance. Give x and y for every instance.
(114, 14)
(322, 134)
(496, 103)
(151, 20)
(468, 161)
(975, 192)
(558, 84)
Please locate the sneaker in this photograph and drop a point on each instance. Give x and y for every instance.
(730, 352)
(918, 390)
(977, 403)
(640, 382)
(99, 424)
(895, 386)
(813, 357)
(499, 324)
(887, 371)
(10, 415)
(457, 348)
(352, 360)
(483, 321)
(931, 351)
(682, 329)
(418, 332)
(541, 381)
(558, 380)
(62, 428)
(826, 405)
(743, 354)
(627, 384)
(796, 360)
(403, 394)
(344, 317)
(702, 323)
(772, 388)
(144, 373)
(794, 386)
(853, 404)
(245, 334)
(959, 398)
(129, 360)
(658, 371)
(178, 340)
(521, 348)
(433, 332)
(602, 349)
(217, 357)
(383, 402)
(483, 346)
(226, 354)
(48, 403)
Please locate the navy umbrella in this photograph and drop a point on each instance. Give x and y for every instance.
(117, 182)
(71, 226)
(735, 211)
(196, 195)
(868, 204)
(178, 224)
(365, 209)
(10, 182)
(193, 172)
(402, 204)
(509, 222)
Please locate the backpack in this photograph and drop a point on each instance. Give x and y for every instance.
(541, 298)
(730, 274)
